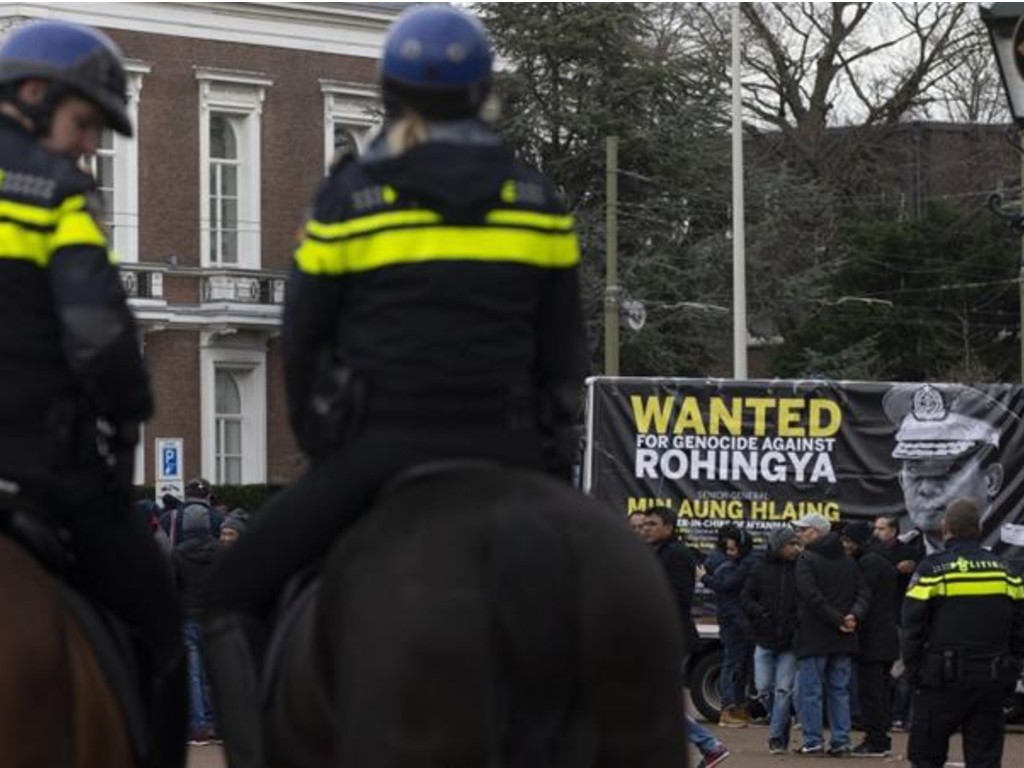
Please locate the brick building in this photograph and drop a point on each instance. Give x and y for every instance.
(238, 109)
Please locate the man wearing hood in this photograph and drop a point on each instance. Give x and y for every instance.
(193, 557)
(769, 599)
(727, 570)
(832, 601)
(878, 636)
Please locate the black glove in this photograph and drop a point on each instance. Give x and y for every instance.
(335, 409)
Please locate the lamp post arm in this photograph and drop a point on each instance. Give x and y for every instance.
(1015, 219)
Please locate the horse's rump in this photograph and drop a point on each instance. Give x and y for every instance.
(489, 616)
(56, 707)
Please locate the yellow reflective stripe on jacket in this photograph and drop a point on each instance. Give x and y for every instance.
(970, 584)
(411, 237)
(17, 242)
(33, 233)
(366, 224)
(545, 221)
(78, 228)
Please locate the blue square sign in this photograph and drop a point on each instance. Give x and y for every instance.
(169, 458)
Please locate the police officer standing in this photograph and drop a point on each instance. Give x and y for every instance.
(963, 642)
(433, 312)
(73, 387)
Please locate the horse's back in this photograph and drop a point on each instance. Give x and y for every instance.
(488, 611)
(56, 708)
(35, 675)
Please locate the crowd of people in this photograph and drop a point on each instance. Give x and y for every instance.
(193, 533)
(833, 625)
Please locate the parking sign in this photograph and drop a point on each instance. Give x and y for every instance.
(170, 460)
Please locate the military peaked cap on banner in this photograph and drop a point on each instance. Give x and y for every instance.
(940, 421)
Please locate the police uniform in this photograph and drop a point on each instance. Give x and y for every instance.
(939, 428)
(438, 291)
(963, 622)
(69, 354)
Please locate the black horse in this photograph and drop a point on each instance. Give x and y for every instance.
(482, 617)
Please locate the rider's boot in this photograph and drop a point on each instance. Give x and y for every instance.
(167, 715)
(231, 662)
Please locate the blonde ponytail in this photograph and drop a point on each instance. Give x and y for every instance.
(408, 131)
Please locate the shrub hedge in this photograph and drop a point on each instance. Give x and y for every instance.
(251, 497)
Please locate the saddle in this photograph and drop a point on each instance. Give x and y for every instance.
(36, 532)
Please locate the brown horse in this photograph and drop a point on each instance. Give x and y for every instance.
(56, 706)
(482, 617)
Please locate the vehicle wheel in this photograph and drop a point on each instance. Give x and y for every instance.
(704, 692)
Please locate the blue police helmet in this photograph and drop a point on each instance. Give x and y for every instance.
(437, 61)
(74, 57)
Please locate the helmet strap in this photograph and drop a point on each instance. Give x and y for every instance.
(40, 114)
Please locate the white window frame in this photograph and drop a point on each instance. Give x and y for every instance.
(124, 218)
(221, 420)
(139, 470)
(348, 105)
(216, 167)
(238, 96)
(244, 355)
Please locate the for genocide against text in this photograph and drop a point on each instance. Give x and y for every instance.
(735, 438)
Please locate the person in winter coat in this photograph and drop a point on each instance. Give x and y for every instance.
(769, 600)
(197, 493)
(878, 637)
(147, 510)
(832, 601)
(659, 531)
(193, 557)
(726, 572)
(234, 525)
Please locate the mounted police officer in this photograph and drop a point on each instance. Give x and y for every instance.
(963, 642)
(73, 388)
(433, 313)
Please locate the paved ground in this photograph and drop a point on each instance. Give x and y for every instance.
(749, 749)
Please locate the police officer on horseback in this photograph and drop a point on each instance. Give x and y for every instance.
(73, 387)
(433, 313)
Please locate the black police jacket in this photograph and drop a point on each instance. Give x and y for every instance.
(964, 599)
(448, 273)
(66, 332)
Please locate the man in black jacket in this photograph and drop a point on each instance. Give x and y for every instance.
(769, 599)
(193, 558)
(832, 601)
(659, 530)
(904, 551)
(963, 641)
(879, 640)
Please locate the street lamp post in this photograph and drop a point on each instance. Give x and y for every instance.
(1006, 33)
(611, 290)
(739, 258)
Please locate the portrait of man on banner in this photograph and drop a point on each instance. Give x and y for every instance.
(948, 445)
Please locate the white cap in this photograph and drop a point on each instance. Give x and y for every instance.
(814, 520)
